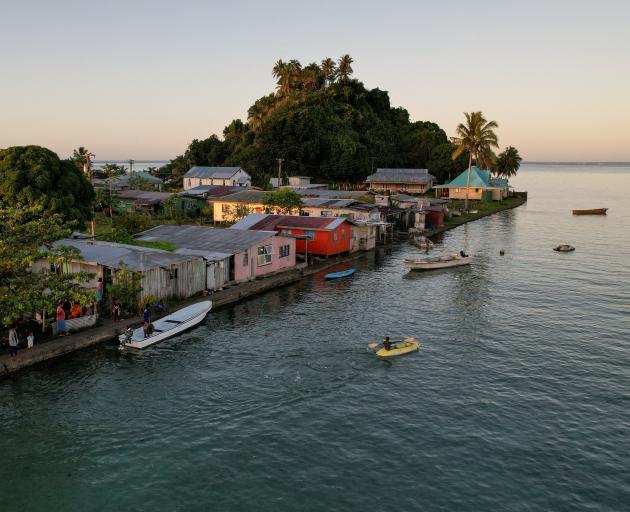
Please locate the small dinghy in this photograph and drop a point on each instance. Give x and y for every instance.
(593, 211)
(423, 243)
(409, 344)
(339, 275)
(167, 326)
(452, 260)
(564, 248)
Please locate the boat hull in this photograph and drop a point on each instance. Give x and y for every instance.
(401, 348)
(168, 326)
(564, 248)
(594, 211)
(434, 265)
(339, 275)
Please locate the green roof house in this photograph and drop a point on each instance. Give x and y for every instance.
(483, 187)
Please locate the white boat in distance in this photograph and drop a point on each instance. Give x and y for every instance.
(451, 260)
(167, 326)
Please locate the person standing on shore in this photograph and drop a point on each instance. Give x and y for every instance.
(61, 319)
(147, 314)
(13, 341)
(116, 307)
(99, 291)
(30, 339)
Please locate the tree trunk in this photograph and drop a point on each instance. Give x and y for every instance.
(468, 182)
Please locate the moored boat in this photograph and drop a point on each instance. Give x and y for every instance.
(593, 211)
(409, 344)
(339, 275)
(167, 326)
(452, 260)
(423, 243)
(564, 248)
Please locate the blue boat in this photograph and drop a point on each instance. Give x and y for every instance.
(338, 275)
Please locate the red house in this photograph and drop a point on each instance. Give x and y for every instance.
(322, 236)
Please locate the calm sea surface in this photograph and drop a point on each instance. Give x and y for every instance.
(518, 400)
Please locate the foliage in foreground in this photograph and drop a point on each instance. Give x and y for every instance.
(26, 235)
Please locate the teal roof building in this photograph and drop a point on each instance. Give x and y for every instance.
(482, 186)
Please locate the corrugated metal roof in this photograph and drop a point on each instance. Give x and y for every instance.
(331, 194)
(328, 202)
(143, 196)
(124, 179)
(111, 254)
(212, 191)
(478, 179)
(247, 196)
(211, 172)
(270, 222)
(211, 240)
(417, 176)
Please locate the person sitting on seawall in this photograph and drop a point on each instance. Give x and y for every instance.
(160, 307)
(387, 344)
(463, 254)
(76, 311)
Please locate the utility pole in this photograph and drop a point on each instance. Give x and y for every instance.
(87, 170)
(130, 166)
(279, 172)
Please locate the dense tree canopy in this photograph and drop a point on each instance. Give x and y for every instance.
(323, 123)
(35, 175)
(26, 235)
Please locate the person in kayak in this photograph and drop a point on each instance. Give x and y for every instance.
(387, 344)
(463, 254)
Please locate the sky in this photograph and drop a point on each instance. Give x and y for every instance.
(141, 79)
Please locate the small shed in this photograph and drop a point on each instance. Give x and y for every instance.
(162, 274)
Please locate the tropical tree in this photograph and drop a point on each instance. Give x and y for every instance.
(282, 73)
(344, 68)
(26, 236)
(329, 69)
(507, 163)
(284, 201)
(477, 137)
(32, 175)
(83, 160)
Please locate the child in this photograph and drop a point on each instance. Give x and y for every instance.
(30, 339)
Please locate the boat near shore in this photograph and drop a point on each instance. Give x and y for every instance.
(451, 260)
(593, 211)
(339, 275)
(166, 327)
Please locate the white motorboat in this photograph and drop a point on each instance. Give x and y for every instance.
(451, 260)
(167, 326)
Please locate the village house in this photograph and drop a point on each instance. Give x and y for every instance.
(162, 274)
(232, 207)
(320, 236)
(231, 256)
(128, 181)
(227, 176)
(298, 183)
(140, 200)
(414, 181)
(483, 187)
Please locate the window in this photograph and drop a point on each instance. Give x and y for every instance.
(245, 258)
(304, 214)
(264, 255)
(310, 235)
(335, 236)
(343, 234)
(325, 213)
(476, 190)
(285, 231)
(285, 250)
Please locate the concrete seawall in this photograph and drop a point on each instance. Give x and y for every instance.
(108, 330)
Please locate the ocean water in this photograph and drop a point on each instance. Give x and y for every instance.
(518, 400)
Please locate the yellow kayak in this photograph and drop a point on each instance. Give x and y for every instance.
(400, 348)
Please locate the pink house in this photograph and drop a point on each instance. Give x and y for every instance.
(232, 256)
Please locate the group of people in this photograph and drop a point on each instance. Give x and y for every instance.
(66, 310)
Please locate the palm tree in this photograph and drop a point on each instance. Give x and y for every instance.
(283, 77)
(344, 68)
(329, 69)
(477, 137)
(507, 163)
(82, 157)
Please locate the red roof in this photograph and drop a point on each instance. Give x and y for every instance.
(270, 222)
